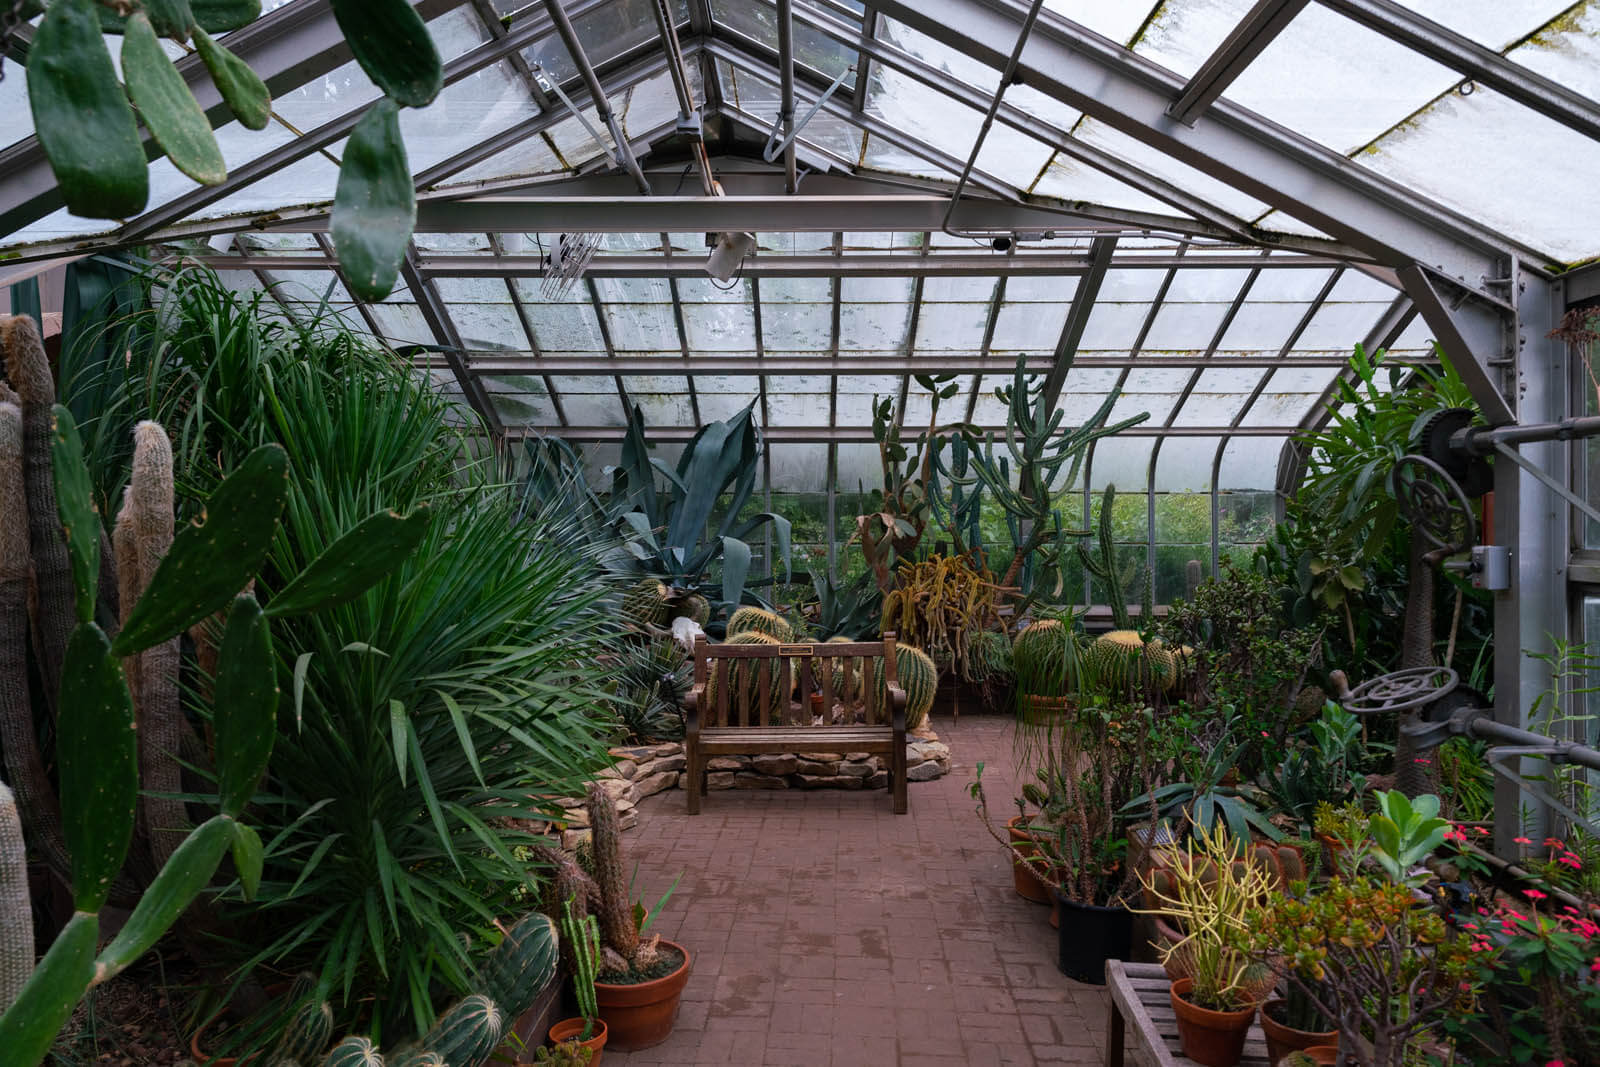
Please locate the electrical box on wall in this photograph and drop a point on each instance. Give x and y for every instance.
(1490, 567)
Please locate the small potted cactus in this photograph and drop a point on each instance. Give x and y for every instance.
(640, 978)
(587, 1030)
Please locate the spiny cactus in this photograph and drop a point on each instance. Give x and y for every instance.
(353, 1052)
(988, 655)
(16, 918)
(917, 675)
(1102, 564)
(97, 746)
(1123, 663)
(584, 937)
(1045, 658)
(645, 602)
(142, 536)
(759, 620)
(307, 1033)
(29, 371)
(617, 925)
(19, 743)
(468, 1033)
(744, 681)
(520, 965)
(694, 607)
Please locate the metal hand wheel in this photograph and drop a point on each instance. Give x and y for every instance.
(1434, 504)
(1400, 690)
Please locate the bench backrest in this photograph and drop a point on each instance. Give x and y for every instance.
(761, 671)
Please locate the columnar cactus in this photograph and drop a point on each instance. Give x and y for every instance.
(353, 1052)
(583, 934)
(16, 917)
(617, 925)
(142, 536)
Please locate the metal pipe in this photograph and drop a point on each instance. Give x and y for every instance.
(1483, 441)
(791, 178)
(597, 93)
(680, 85)
(1006, 77)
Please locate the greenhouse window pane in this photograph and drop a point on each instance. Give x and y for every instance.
(401, 323)
(1069, 179)
(856, 394)
(802, 469)
(565, 327)
(604, 33)
(589, 401)
(758, 20)
(797, 400)
(1028, 327)
(641, 327)
(720, 327)
(1290, 394)
(1218, 396)
(788, 326)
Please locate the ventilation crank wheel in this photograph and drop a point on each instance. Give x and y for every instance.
(1400, 690)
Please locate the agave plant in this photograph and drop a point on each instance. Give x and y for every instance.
(678, 531)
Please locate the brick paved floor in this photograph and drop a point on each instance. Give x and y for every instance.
(827, 930)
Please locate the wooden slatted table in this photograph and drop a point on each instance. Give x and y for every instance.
(1140, 999)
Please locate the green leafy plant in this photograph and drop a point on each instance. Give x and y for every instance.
(1321, 768)
(84, 123)
(1201, 798)
(200, 574)
(1382, 967)
(1404, 833)
(675, 532)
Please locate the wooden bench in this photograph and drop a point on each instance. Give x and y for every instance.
(734, 727)
(1140, 998)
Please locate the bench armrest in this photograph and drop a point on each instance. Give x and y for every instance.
(691, 704)
(897, 706)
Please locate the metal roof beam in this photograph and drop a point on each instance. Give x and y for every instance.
(597, 94)
(1083, 300)
(1318, 186)
(797, 435)
(437, 316)
(786, 92)
(741, 365)
(1237, 51)
(1482, 65)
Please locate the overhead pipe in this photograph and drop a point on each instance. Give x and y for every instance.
(689, 120)
(791, 179)
(569, 37)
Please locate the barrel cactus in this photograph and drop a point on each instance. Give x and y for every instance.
(694, 607)
(760, 620)
(917, 675)
(353, 1052)
(744, 681)
(468, 1033)
(988, 656)
(645, 602)
(1123, 663)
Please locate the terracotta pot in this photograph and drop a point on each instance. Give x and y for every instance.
(1036, 710)
(569, 1029)
(1026, 883)
(639, 1016)
(197, 1053)
(1212, 1038)
(1282, 1040)
(1328, 1054)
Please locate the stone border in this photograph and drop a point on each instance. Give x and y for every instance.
(645, 770)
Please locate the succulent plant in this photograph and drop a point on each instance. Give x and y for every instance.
(744, 680)
(759, 620)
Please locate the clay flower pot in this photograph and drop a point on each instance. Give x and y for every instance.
(569, 1029)
(641, 1015)
(1282, 1040)
(197, 1053)
(1026, 883)
(1328, 1054)
(1212, 1038)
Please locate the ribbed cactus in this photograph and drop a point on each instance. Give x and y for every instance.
(29, 371)
(19, 742)
(142, 536)
(744, 680)
(988, 655)
(16, 917)
(615, 911)
(520, 965)
(917, 675)
(1124, 664)
(750, 619)
(353, 1052)
(584, 935)
(468, 1033)
(307, 1034)
(645, 602)
(98, 746)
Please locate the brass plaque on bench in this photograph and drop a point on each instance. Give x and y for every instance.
(796, 650)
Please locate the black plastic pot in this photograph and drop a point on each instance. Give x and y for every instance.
(1088, 936)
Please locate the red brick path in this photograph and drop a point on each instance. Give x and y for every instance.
(826, 930)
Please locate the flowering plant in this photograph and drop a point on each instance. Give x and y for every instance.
(1383, 968)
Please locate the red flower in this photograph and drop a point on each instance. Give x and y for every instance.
(1533, 894)
(1522, 840)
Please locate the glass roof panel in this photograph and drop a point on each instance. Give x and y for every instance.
(1121, 461)
(1250, 463)
(1492, 23)
(1067, 179)
(604, 33)
(1183, 467)
(1116, 21)
(797, 400)
(1289, 396)
(589, 401)
(758, 20)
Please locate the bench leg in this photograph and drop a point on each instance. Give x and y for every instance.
(1114, 1036)
(897, 776)
(694, 780)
